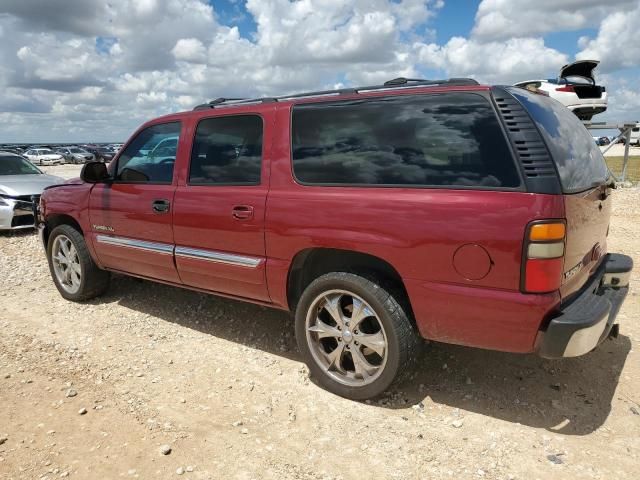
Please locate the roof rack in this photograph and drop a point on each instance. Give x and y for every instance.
(395, 83)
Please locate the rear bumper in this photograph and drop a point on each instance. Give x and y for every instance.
(587, 319)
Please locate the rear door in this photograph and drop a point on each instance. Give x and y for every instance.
(220, 207)
(585, 182)
(131, 218)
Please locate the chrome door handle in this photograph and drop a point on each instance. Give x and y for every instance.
(242, 212)
(161, 206)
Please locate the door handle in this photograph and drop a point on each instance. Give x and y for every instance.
(160, 206)
(242, 212)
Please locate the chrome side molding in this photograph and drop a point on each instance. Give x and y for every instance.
(162, 248)
(184, 252)
(218, 257)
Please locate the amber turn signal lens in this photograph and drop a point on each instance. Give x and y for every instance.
(542, 232)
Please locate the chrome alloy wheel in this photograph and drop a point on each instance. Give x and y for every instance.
(346, 338)
(66, 264)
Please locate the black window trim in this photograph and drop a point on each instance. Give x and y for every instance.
(115, 180)
(485, 95)
(189, 183)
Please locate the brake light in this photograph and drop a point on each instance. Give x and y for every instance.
(568, 88)
(543, 256)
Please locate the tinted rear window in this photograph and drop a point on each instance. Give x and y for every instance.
(578, 159)
(426, 140)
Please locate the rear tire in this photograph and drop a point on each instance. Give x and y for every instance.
(74, 273)
(355, 336)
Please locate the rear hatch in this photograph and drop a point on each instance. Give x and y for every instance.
(586, 186)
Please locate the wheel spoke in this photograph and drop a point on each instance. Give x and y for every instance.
(61, 259)
(75, 267)
(323, 330)
(362, 367)
(332, 305)
(335, 358)
(75, 279)
(374, 341)
(360, 311)
(64, 248)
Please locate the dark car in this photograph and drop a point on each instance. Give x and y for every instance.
(102, 154)
(447, 210)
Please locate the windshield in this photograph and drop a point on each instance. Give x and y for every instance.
(44, 151)
(76, 150)
(13, 165)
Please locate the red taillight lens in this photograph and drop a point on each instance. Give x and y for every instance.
(543, 275)
(543, 256)
(568, 88)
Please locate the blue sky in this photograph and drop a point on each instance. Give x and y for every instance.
(82, 70)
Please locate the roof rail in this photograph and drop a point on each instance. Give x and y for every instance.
(399, 82)
(222, 101)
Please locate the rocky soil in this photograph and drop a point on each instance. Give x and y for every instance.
(151, 381)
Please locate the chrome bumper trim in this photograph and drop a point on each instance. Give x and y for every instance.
(616, 280)
(585, 340)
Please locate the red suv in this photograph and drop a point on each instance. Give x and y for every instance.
(447, 210)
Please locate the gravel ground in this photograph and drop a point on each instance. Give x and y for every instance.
(151, 381)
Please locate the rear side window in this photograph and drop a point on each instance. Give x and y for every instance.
(420, 140)
(578, 159)
(227, 151)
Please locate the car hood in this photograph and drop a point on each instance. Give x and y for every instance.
(18, 185)
(581, 68)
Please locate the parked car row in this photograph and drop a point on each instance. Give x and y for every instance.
(59, 154)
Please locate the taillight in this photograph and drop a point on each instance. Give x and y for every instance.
(543, 256)
(568, 88)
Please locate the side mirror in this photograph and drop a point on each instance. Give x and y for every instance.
(94, 172)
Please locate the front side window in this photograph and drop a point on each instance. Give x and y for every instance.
(146, 160)
(419, 140)
(227, 151)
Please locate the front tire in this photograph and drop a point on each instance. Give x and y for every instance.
(355, 336)
(74, 273)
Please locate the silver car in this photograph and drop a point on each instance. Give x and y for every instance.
(75, 155)
(21, 183)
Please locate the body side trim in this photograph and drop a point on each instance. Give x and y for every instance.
(218, 257)
(155, 247)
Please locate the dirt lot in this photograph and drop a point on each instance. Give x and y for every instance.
(222, 384)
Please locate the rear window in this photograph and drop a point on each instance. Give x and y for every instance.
(578, 159)
(419, 140)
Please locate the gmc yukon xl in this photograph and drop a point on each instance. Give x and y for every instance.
(446, 210)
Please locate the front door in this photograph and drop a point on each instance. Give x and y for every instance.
(219, 209)
(131, 218)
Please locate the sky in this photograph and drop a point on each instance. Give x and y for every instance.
(94, 70)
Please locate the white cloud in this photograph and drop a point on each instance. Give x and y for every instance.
(616, 44)
(504, 19)
(494, 62)
(93, 70)
(190, 50)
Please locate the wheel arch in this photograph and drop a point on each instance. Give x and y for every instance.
(56, 219)
(311, 263)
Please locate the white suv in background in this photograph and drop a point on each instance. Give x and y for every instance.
(575, 88)
(44, 156)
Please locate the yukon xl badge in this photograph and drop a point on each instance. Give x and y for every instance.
(570, 273)
(102, 228)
